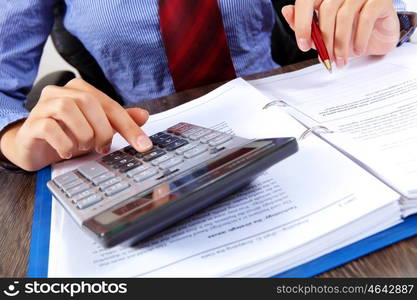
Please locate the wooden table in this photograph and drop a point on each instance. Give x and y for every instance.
(17, 198)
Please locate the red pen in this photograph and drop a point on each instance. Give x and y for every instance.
(318, 41)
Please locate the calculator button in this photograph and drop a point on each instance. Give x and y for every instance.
(167, 173)
(109, 157)
(216, 150)
(108, 183)
(139, 155)
(175, 145)
(103, 177)
(115, 159)
(72, 184)
(125, 160)
(196, 151)
(93, 199)
(117, 188)
(167, 141)
(130, 150)
(161, 159)
(180, 128)
(78, 189)
(159, 134)
(220, 140)
(190, 132)
(209, 137)
(159, 138)
(129, 166)
(171, 163)
(198, 135)
(91, 170)
(145, 175)
(120, 156)
(61, 180)
(153, 154)
(187, 147)
(122, 163)
(82, 195)
(138, 170)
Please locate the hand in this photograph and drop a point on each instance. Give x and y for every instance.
(69, 121)
(349, 27)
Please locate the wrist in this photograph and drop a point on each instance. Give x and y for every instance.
(7, 141)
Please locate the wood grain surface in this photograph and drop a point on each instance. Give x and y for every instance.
(17, 198)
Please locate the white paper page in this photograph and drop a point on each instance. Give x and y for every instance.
(410, 5)
(294, 202)
(371, 105)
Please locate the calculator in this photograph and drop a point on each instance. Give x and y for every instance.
(126, 196)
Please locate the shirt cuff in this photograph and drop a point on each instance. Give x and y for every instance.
(4, 122)
(11, 118)
(408, 24)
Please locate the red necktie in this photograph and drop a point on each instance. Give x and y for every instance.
(195, 42)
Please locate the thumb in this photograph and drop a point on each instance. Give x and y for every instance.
(288, 13)
(139, 115)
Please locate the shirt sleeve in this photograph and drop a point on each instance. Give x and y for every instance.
(400, 5)
(24, 28)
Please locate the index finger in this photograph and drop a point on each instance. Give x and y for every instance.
(122, 122)
(118, 117)
(302, 22)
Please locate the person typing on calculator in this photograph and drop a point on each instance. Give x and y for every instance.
(149, 49)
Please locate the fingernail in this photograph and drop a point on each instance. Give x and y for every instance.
(67, 156)
(340, 62)
(144, 143)
(303, 44)
(358, 51)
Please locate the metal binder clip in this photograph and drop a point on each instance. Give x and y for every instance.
(279, 103)
(314, 129)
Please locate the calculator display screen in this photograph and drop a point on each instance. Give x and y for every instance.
(166, 192)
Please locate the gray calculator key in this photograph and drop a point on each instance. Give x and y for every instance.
(209, 137)
(198, 135)
(220, 140)
(78, 189)
(196, 151)
(170, 163)
(109, 183)
(187, 147)
(117, 188)
(72, 184)
(162, 159)
(63, 179)
(137, 170)
(146, 175)
(93, 199)
(82, 195)
(190, 132)
(91, 170)
(103, 177)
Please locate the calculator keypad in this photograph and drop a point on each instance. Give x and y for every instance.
(126, 171)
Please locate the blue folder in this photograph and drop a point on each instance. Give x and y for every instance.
(39, 248)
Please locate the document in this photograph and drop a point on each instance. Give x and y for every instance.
(370, 108)
(310, 204)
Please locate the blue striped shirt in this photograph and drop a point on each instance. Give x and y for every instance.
(124, 37)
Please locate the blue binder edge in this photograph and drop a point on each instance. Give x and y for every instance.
(41, 226)
(39, 248)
